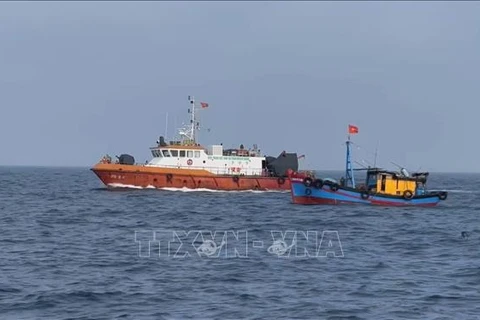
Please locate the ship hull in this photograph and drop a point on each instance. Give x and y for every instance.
(302, 194)
(113, 175)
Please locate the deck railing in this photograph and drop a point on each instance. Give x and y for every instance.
(219, 170)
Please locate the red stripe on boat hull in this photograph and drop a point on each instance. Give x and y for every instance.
(306, 200)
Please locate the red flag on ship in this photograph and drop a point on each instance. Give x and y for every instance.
(204, 104)
(352, 129)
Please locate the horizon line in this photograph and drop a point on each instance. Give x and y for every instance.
(90, 166)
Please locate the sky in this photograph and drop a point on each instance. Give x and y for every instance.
(82, 79)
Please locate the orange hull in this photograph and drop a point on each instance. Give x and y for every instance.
(143, 176)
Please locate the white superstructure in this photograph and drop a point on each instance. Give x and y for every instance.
(188, 154)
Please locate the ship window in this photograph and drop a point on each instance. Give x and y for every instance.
(190, 154)
(174, 153)
(166, 153)
(182, 153)
(197, 154)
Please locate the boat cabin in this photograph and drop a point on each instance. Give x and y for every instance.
(181, 155)
(396, 183)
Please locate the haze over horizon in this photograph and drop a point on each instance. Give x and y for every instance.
(82, 79)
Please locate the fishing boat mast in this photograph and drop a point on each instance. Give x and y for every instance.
(348, 167)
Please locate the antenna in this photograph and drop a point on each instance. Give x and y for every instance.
(397, 165)
(376, 151)
(174, 125)
(166, 125)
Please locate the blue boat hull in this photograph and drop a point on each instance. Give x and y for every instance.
(325, 195)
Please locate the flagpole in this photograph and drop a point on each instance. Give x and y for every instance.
(348, 163)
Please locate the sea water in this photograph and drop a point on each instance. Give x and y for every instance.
(71, 249)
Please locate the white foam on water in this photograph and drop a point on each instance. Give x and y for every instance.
(121, 185)
(185, 189)
(456, 191)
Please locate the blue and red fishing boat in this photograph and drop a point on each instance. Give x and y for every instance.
(381, 187)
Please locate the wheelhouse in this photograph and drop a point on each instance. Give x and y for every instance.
(176, 152)
(396, 183)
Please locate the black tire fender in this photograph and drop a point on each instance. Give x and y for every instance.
(408, 194)
(307, 182)
(318, 183)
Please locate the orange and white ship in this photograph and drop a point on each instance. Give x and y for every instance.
(187, 164)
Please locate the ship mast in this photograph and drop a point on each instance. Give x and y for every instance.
(188, 132)
(192, 120)
(348, 167)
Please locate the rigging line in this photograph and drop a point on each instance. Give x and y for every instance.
(368, 154)
(374, 154)
(364, 149)
(360, 164)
